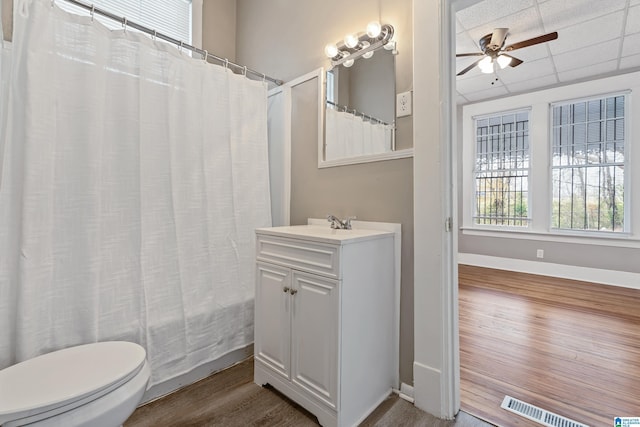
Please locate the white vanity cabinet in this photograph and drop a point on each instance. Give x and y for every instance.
(326, 319)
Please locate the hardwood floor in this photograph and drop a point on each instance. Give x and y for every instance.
(230, 398)
(572, 348)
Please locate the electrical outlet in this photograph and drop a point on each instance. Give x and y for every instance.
(403, 104)
(540, 253)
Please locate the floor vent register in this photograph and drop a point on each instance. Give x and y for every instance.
(538, 415)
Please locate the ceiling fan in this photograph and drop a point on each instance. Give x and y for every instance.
(494, 50)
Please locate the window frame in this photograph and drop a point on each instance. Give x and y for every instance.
(474, 173)
(626, 174)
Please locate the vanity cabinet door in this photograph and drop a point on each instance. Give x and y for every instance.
(314, 335)
(273, 317)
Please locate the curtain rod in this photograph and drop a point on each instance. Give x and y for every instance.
(206, 55)
(355, 113)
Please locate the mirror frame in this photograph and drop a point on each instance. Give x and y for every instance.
(322, 163)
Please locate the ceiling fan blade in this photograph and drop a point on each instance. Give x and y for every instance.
(536, 40)
(469, 68)
(497, 38)
(469, 54)
(514, 61)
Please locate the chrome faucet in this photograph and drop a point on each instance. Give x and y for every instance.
(338, 224)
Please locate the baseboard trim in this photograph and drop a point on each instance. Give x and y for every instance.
(406, 392)
(426, 389)
(203, 371)
(587, 274)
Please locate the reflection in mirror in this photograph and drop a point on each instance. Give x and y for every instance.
(360, 108)
(360, 101)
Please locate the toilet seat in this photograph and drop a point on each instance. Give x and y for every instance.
(62, 380)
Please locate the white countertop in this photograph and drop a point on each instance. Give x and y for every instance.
(324, 234)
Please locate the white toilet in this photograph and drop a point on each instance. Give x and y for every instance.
(97, 385)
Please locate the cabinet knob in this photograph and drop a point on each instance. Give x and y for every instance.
(285, 289)
(293, 291)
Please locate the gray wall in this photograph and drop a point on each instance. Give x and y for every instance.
(285, 39)
(219, 28)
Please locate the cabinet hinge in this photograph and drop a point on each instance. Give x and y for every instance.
(448, 224)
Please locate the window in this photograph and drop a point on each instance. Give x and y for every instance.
(588, 164)
(502, 170)
(170, 17)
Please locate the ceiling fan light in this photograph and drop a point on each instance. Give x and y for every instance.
(486, 65)
(503, 61)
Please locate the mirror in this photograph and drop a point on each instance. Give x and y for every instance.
(360, 110)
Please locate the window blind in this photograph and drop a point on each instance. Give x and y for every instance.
(170, 17)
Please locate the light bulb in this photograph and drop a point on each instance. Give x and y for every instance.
(331, 50)
(504, 60)
(486, 65)
(348, 63)
(351, 41)
(369, 54)
(374, 29)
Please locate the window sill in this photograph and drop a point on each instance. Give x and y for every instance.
(625, 240)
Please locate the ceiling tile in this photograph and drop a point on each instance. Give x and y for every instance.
(565, 13)
(490, 10)
(477, 82)
(522, 25)
(631, 44)
(585, 57)
(588, 33)
(526, 71)
(461, 100)
(591, 71)
(531, 53)
(633, 20)
(465, 44)
(487, 94)
(533, 84)
(630, 61)
(459, 27)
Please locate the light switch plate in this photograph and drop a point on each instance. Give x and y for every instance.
(403, 104)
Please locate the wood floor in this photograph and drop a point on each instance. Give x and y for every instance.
(230, 398)
(572, 348)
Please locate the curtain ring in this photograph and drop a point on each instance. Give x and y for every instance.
(93, 10)
(206, 55)
(155, 34)
(264, 78)
(124, 23)
(226, 63)
(244, 72)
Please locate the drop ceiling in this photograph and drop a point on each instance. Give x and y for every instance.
(596, 38)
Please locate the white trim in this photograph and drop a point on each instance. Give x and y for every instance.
(616, 241)
(285, 92)
(435, 366)
(585, 274)
(406, 392)
(391, 155)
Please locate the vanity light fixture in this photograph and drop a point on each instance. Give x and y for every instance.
(361, 44)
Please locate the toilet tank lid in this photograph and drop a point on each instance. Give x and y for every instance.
(60, 377)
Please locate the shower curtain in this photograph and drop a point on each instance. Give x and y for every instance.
(133, 178)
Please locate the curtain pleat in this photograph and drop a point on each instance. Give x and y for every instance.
(347, 135)
(133, 179)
